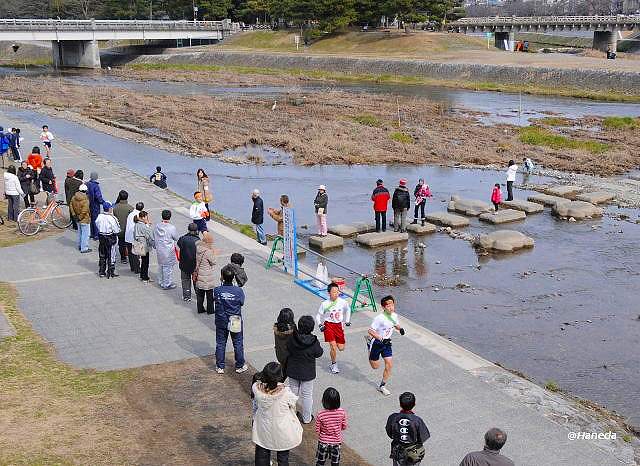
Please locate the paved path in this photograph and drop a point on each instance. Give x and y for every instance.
(120, 323)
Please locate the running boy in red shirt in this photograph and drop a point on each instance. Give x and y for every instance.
(333, 315)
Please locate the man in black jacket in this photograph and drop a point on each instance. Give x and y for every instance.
(494, 440)
(71, 186)
(407, 432)
(187, 259)
(257, 216)
(300, 367)
(400, 204)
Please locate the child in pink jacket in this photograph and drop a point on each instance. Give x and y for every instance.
(496, 196)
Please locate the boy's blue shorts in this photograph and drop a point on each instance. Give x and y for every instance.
(377, 349)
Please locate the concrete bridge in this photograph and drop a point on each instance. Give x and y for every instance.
(605, 28)
(74, 42)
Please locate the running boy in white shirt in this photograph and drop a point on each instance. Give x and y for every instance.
(46, 137)
(333, 315)
(379, 340)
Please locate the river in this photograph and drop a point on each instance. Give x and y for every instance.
(564, 311)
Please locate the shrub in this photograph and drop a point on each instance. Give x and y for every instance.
(537, 136)
(620, 123)
(401, 137)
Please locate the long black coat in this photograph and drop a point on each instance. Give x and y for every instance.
(257, 214)
(303, 352)
(401, 199)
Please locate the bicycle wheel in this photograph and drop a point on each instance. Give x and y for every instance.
(29, 222)
(61, 216)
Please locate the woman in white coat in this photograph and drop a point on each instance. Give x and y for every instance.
(275, 425)
(512, 169)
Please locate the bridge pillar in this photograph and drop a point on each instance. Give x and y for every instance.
(75, 54)
(503, 40)
(605, 40)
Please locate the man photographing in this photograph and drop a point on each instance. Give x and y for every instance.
(379, 340)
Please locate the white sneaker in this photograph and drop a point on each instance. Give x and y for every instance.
(242, 369)
(384, 390)
(334, 368)
(219, 370)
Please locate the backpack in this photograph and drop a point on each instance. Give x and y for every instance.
(413, 454)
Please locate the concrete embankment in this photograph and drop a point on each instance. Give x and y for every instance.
(590, 79)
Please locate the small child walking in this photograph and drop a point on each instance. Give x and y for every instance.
(496, 196)
(198, 212)
(330, 422)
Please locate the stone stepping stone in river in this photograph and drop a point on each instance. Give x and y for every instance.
(546, 199)
(563, 190)
(419, 229)
(326, 242)
(596, 197)
(504, 241)
(446, 219)
(579, 210)
(503, 216)
(349, 230)
(525, 206)
(372, 240)
(471, 207)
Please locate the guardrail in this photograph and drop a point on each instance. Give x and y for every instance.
(114, 25)
(501, 20)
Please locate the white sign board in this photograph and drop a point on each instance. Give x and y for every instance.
(290, 242)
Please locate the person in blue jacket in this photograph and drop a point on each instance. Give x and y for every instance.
(227, 304)
(95, 202)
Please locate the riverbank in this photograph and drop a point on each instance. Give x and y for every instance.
(332, 127)
(459, 394)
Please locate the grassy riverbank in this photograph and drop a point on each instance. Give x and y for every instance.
(533, 89)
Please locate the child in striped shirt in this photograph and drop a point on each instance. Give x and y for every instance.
(330, 422)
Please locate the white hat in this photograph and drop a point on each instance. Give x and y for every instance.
(83, 187)
(322, 187)
(256, 192)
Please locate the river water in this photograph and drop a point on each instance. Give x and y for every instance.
(565, 311)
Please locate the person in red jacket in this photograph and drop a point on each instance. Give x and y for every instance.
(380, 198)
(496, 196)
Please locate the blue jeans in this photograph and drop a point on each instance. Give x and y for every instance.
(262, 238)
(83, 236)
(222, 334)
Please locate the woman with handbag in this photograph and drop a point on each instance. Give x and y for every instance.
(203, 187)
(143, 242)
(28, 177)
(275, 425)
(204, 275)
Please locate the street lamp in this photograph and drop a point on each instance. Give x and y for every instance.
(195, 12)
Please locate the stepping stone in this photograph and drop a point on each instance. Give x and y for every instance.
(579, 210)
(503, 216)
(447, 220)
(326, 242)
(350, 230)
(563, 190)
(419, 229)
(372, 240)
(525, 206)
(504, 241)
(471, 207)
(597, 197)
(546, 199)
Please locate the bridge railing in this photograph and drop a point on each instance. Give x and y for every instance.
(618, 19)
(111, 25)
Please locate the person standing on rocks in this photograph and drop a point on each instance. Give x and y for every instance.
(320, 203)
(257, 216)
(79, 208)
(187, 259)
(379, 340)
(494, 440)
(400, 203)
(380, 198)
(407, 432)
(203, 187)
(165, 237)
(108, 229)
(95, 202)
(278, 215)
(71, 186)
(129, 238)
(512, 169)
(121, 210)
(228, 300)
(420, 193)
(333, 315)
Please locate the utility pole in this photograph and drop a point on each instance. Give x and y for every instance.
(151, 10)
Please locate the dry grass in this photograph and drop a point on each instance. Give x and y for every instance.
(322, 131)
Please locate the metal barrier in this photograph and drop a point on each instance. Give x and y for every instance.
(362, 295)
(114, 25)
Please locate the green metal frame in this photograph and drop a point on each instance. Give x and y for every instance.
(363, 287)
(277, 246)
